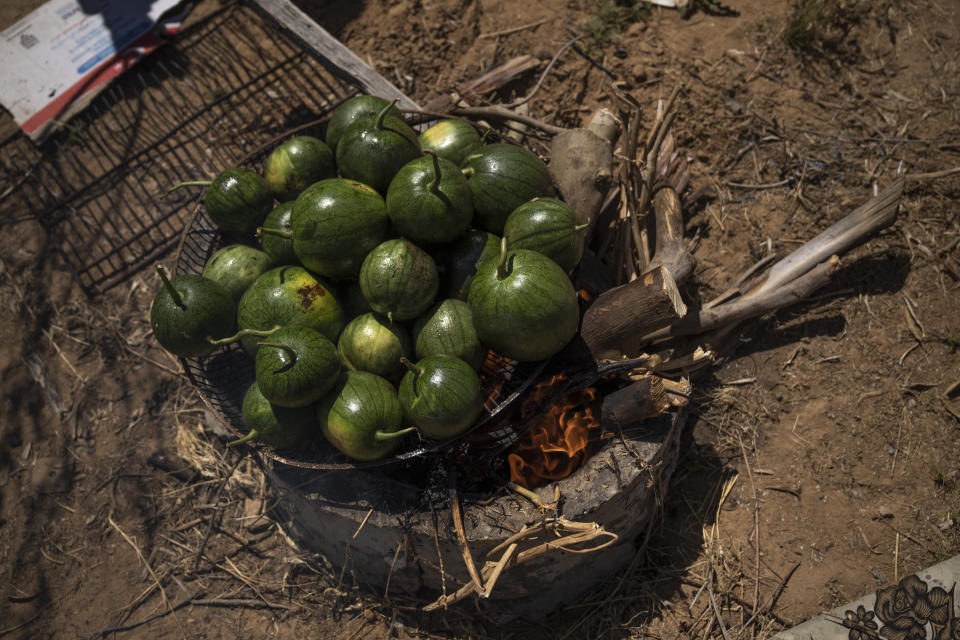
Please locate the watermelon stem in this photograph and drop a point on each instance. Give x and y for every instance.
(247, 438)
(409, 365)
(177, 298)
(581, 227)
(392, 435)
(280, 233)
(383, 113)
(291, 353)
(191, 183)
(434, 186)
(502, 264)
(260, 333)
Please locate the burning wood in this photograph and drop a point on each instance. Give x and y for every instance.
(559, 441)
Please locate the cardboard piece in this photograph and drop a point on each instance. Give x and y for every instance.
(58, 58)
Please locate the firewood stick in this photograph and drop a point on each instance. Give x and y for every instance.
(502, 113)
(485, 83)
(619, 317)
(875, 214)
(624, 408)
(796, 276)
(697, 322)
(670, 251)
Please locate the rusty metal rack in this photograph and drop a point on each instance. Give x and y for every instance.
(211, 98)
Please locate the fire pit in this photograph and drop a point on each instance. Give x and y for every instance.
(392, 524)
(570, 463)
(406, 538)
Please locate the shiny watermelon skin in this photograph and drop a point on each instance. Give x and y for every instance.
(428, 213)
(235, 267)
(502, 177)
(288, 295)
(351, 110)
(452, 140)
(442, 398)
(238, 200)
(359, 405)
(276, 427)
(447, 329)
(301, 371)
(279, 248)
(528, 311)
(296, 164)
(207, 310)
(373, 149)
(548, 226)
(370, 342)
(335, 224)
(399, 279)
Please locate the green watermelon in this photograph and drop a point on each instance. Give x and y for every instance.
(502, 177)
(524, 305)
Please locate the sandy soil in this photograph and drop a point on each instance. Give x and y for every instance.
(820, 461)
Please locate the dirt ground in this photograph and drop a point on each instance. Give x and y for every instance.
(820, 460)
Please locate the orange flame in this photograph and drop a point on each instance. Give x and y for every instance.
(559, 442)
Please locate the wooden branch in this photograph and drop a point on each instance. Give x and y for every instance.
(672, 167)
(618, 318)
(670, 251)
(875, 214)
(796, 276)
(581, 163)
(333, 55)
(492, 80)
(501, 113)
(626, 407)
(697, 322)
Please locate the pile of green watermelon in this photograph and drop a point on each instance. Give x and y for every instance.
(389, 264)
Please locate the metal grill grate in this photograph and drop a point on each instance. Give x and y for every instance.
(224, 89)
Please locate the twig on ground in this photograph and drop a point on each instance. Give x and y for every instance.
(756, 531)
(586, 56)
(700, 585)
(543, 76)
(213, 519)
(769, 185)
(156, 580)
(462, 537)
(934, 175)
(133, 625)
(767, 608)
(506, 32)
(716, 611)
(501, 113)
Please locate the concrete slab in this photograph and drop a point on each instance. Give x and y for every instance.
(922, 606)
